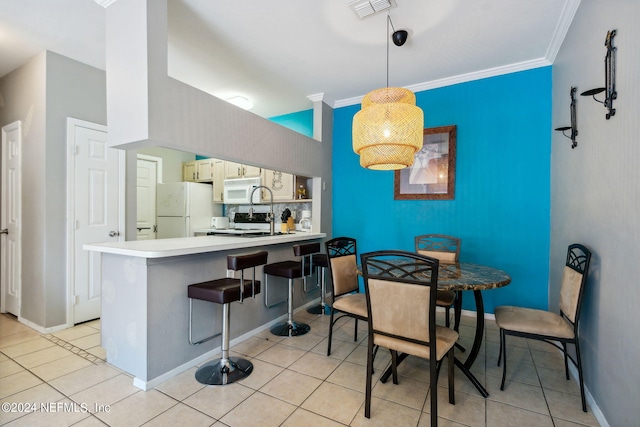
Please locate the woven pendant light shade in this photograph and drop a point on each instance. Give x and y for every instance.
(388, 130)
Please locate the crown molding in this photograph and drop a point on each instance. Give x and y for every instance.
(561, 30)
(462, 78)
(316, 97)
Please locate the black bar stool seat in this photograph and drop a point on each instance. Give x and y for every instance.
(224, 291)
(287, 269)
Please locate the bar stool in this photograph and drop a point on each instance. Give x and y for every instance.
(320, 260)
(291, 270)
(224, 291)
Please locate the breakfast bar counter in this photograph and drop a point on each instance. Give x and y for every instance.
(145, 308)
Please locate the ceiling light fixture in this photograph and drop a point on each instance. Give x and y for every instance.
(240, 101)
(388, 130)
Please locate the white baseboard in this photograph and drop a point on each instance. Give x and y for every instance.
(597, 413)
(42, 329)
(147, 385)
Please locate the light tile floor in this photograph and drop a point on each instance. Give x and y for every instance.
(293, 383)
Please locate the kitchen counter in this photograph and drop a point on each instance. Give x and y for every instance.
(145, 307)
(162, 248)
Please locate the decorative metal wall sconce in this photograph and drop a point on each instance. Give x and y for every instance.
(609, 77)
(574, 123)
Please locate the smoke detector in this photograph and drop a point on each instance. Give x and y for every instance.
(367, 8)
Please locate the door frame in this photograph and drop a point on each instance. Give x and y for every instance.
(158, 162)
(3, 247)
(72, 124)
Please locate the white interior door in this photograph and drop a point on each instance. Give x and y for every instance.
(98, 172)
(10, 246)
(146, 196)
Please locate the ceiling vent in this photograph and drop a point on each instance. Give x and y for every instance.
(365, 9)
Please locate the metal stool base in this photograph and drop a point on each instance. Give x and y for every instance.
(316, 309)
(293, 329)
(224, 371)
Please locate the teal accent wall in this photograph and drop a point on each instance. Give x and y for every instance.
(501, 209)
(301, 122)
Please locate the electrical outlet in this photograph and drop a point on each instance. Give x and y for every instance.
(230, 274)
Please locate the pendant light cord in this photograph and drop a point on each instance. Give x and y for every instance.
(387, 36)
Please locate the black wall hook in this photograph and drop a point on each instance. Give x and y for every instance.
(574, 120)
(609, 77)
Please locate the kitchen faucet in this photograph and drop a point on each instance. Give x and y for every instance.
(270, 217)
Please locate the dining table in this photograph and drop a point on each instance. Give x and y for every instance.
(460, 277)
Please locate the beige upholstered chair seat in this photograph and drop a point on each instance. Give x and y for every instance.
(532, 321)
(352, 303)
(445, 339)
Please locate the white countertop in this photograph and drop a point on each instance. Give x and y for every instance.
(162, 248)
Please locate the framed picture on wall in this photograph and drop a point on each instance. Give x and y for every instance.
(433, 173)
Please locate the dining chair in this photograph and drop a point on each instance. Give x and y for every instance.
(447, 250)
(401, 308)
(550, 326)
(346, 298)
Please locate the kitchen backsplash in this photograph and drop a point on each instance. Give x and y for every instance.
(295, 208)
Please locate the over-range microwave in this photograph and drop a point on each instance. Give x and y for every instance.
(238, 191)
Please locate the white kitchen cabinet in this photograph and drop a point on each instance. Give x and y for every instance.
(204, 170)
(198, 170)
(218, 180)
(189, 171)
(280, 183)
(237, 170)
(250, 171)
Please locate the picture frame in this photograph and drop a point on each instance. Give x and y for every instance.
(433, 173)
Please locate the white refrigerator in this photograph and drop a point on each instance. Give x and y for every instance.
(182, 207)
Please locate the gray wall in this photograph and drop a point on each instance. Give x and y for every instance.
(43, 93)
(595, 199)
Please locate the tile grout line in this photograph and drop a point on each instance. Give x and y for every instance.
(74, 349)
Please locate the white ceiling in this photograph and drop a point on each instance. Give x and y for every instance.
(278, 53)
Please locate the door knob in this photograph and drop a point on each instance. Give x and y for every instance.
(4, 231)
(113, 233)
